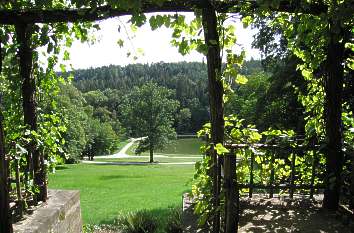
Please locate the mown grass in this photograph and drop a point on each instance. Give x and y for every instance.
(179, 147)
(108, 190)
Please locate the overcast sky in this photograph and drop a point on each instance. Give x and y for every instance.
(155, 45)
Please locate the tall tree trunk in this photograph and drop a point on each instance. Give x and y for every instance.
(151, 149)
(352, 182)
(5, 216)
(231, 194)
(333, 117)
(24, 38)
(216, 92)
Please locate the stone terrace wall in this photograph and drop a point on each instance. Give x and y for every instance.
(61, 214)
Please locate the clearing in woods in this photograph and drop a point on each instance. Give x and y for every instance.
(109, 190)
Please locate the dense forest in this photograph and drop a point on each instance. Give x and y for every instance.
(93, 103)
(189, 80)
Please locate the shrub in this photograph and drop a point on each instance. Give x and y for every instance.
(138, 222)
(174, 222)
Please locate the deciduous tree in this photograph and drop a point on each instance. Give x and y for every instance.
(150, 111)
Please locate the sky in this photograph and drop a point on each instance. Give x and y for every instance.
(155, 46)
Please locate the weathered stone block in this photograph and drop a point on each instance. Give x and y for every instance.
(61, 214)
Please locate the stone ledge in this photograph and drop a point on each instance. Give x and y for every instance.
(61, 213)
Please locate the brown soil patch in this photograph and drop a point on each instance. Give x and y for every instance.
(281, 215)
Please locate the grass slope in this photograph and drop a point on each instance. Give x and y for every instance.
(107, 190)
(179, 147)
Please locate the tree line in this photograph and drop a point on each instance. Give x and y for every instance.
(96, 104)
(189, 80)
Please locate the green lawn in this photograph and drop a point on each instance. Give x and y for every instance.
(107, 190)
(179, 147)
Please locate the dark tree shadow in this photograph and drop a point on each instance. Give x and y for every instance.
(122, 163)
(61, 167)
(114, 177)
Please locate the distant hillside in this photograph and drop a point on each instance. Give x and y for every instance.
(188, 79)
(170, 75)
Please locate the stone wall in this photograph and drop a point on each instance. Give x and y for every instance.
(61, 214)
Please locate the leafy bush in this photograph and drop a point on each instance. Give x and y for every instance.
(138, 222)
(174, 222)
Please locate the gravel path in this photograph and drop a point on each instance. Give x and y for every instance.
(261, 214)
(123, 152)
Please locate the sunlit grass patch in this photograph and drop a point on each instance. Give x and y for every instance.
(109, 190)
(179, 147)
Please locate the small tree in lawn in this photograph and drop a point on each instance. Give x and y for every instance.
(149, 112)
